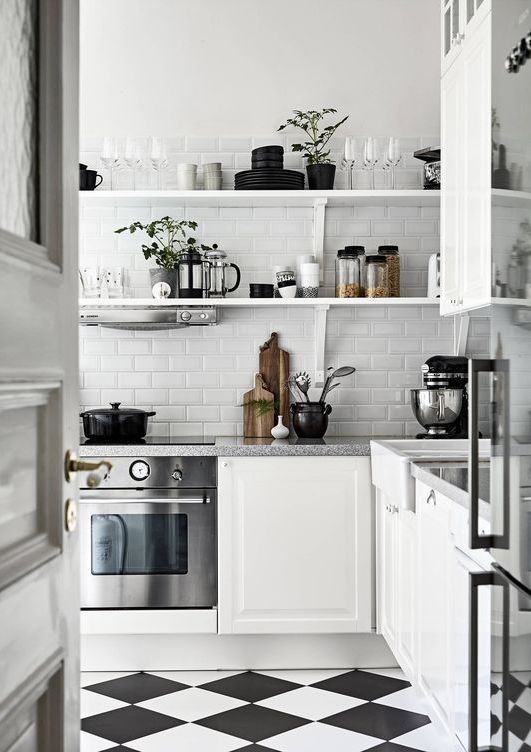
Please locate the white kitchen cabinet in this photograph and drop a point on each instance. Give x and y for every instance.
(295, 553)
(459, 18)
(466, 171)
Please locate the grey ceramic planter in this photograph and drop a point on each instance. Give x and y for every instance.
(164, 275)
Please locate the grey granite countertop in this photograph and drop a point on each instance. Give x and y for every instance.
(229, 446)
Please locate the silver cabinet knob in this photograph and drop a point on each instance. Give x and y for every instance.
(224, 464)
(431, 498)
(177, 474)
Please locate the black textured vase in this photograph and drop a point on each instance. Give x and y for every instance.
(310, 419)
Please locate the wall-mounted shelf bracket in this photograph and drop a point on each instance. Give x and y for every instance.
(321, 314)
(319, 208)
(461, 326)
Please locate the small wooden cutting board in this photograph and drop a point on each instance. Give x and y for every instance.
(274, 367)
(255, 425)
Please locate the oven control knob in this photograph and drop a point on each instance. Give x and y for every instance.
(177, 474)
(139, 470)
(186, 316)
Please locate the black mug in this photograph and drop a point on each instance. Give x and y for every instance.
(88, 179)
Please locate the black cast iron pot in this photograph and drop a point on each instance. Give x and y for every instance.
(310, 419)
(112, 424)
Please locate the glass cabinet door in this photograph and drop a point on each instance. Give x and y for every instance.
(451, 25)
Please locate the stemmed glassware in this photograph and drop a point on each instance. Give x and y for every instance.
(393, 157)
(158, 157)
(349, 160)
(132, 157)
(109, 157)
(371, 156)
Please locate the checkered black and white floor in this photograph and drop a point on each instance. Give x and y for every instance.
(226, 711)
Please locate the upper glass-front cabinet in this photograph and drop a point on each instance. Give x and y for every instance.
(457, 17)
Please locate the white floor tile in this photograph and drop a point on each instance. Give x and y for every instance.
(192, 704)
(188, 738)
(94, 677)
(426, 738)
(405, 699)
(91, 743)
(305, 676)
(194, 678)
(317, 737)
(311, 703)
(394, 673)
(93, 703)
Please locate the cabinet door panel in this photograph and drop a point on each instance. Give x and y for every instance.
(294, 545)
(406, 602)
(387, 570)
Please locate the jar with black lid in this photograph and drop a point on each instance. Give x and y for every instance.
(377, 277)
(347, 274)
(392, 257)
(359, 251)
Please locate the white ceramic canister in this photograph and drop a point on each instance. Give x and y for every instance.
(306, 258)
(276, 269)
(309, 281)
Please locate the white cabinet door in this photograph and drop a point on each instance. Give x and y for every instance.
(451, 188)
(295, 550)
(475, 64)
(434, 567)
(387, 581)
(452, 25)
(406, 572)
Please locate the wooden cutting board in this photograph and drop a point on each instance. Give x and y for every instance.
(274, 367)
(255, 425)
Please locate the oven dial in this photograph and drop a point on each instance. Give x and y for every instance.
(177, 474)
(139, 470)
(186, 316)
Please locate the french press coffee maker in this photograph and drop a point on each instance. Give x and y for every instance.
(193, 274)
(218, 266)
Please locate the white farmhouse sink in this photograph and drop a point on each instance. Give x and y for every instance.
(391, 460)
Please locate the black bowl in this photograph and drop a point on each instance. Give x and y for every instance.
(266, 151)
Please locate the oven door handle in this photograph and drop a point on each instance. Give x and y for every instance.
(147, 500)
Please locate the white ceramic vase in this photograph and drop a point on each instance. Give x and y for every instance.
(280, 431)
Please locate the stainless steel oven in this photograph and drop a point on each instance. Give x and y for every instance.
(148, 534)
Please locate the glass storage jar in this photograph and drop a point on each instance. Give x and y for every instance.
(377, 277)
(359, 251)
(392, 257)
(347, 274)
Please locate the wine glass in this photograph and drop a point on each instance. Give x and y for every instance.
(393, 157)
(348, 160)
(371, 156)
(109, 157)
(158, 157)
(132, 157)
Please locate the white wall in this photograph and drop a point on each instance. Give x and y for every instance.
(238, 67)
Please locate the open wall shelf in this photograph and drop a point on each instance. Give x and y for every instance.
(249, 302)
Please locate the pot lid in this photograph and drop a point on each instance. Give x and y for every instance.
(114, 409)
(216, 254)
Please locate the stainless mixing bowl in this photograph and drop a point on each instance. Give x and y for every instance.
(437, 409)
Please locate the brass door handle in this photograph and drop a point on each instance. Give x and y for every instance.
(74, 465)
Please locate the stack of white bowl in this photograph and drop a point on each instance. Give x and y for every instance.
(186, 177)
(212, 176)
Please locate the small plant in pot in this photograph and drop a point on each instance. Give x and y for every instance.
(169, 243)
(320, 169)
(310, 419)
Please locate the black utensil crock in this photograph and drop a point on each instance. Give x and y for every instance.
(310, 419)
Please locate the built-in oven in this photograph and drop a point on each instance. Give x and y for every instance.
(148, 534)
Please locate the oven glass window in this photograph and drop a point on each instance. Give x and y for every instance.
(139, 544)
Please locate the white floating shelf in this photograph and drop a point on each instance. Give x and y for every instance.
(511, 198)
(248, 302)
(259, 198)
(516, 302)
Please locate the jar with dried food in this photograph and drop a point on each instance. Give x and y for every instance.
(347, 274)
(377, 277)
(359, 251)
(392, 257)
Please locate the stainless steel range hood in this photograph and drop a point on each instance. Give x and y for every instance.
(147, 318)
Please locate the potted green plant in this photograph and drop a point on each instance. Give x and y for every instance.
(169, 243)
(320, 169)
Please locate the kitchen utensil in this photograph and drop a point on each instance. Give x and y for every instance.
(132, 157)
(348, 273)
(310, 419)
(348, 160)
(158, 157)
(114, 277)
(258, 422)
(287, 289)
(186, 177)
(193, 275)
(303, 258)
(260, 291)
(434, 276)
(211, 167)
(260, 164)
(392, 258)
(437, 409)
(90, 281)
(274, 367)
(393, 157)
(377, 277)
(218, 270)
(109, 157)
(276, 269)
(114, 424)
(263, 152)
(303, 381)
(339, 373)
(88, 179)
(371, 156)
(309, 280)
(442, 405)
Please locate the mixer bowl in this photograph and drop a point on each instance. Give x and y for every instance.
(437, 409)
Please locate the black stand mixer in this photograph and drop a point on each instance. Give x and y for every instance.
(442, 405)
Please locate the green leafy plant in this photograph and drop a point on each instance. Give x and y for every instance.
(318, 137)
(261, 406)
(169, 238)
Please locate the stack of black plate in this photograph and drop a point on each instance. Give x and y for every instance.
(267, 172)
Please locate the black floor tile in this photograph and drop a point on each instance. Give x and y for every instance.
(136, 687)
(258, 748)
(120, 748)
(250, 686)
(362, 684)
(392, 747)
(128, 723)
(519, 722)
(380, 721)
(252, 722)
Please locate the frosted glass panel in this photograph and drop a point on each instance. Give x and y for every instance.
(19, 117)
